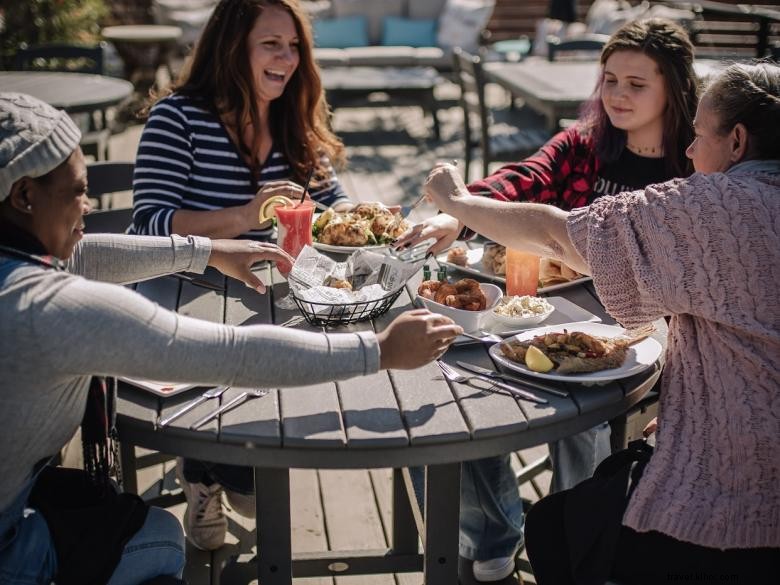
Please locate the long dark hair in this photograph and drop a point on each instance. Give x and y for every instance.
(749, 95)
(668, 45)
(219, 71)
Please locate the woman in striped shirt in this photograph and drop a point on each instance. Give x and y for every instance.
(246, 119)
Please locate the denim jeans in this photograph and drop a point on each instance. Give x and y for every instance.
(491, 512)
(575, 458)
(27, 555)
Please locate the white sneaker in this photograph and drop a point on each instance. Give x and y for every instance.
(204, 521)
(494, 569)
(242, 503)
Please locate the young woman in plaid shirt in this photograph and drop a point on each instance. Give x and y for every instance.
(632, 132)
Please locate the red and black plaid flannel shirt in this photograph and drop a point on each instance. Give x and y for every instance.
(561, 173)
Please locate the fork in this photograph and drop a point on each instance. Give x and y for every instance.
(407, 209)
(454, 376)
(243, 397)
(207, 395)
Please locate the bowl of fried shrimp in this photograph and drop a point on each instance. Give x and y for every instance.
(466, 301)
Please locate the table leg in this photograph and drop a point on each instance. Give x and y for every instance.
(442, 516)
(127, 464)
(274, 548)
(404, 535)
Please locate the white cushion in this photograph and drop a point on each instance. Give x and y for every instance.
(331, 57)
(374, 10)
(462, 21)
(381, 56)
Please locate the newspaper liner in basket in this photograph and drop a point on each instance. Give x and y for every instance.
(376, 280)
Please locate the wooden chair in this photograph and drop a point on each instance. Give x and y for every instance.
(105, 178)
(510, 141)
(584, 46)
(69, 58)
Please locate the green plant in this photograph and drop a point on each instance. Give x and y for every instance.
(45, 21)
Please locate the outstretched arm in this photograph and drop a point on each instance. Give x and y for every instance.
(536, 228)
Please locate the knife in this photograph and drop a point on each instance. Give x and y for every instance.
(513, 390)
(508, 378)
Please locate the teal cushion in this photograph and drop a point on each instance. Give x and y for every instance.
(340, 33)
(405, 32)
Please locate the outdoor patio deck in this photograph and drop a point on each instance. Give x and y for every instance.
(390, 152)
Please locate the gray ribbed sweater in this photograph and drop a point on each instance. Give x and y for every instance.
(705, 250)
(58, 328)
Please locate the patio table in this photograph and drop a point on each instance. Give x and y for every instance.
(390, 419)
(73, 92)
(557, 89)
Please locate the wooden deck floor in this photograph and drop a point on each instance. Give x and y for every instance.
(390, 151)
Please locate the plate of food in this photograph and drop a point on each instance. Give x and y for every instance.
(578, 352)
(490, 262)
(466, 301)
(365, 226)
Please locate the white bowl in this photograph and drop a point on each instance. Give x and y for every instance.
(469, 320)
(520, 322)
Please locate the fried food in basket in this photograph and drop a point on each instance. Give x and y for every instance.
(464, 294)
(457, 256)
(577, 352)
(338, 283)
(367, 224)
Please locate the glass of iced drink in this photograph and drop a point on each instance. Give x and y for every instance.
(293, 223)
(522, 273)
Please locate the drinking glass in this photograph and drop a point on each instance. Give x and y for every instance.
(522, 273)
(293, 224)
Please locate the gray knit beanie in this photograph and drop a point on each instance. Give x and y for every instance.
(35, 138)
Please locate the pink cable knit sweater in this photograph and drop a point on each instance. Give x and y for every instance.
(705, 250)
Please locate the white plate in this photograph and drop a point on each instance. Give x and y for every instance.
(346, 249)
(641, 356)
(474, 266)
(160, 388)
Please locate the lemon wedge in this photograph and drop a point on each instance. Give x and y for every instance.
(268, 208)
(537, 361)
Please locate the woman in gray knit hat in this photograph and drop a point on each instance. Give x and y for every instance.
(58, 328)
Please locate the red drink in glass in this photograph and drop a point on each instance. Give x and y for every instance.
(293, 223)
(522, 273)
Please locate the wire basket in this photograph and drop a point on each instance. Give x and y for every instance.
(325, 314)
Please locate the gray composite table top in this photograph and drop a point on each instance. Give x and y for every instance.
(73, 92)
(388, 419)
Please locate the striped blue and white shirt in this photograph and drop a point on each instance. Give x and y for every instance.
(186, 160)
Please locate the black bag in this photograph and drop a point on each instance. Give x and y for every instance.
(89, 525)
(593, 512)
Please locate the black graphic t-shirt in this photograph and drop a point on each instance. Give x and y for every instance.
(628, 173)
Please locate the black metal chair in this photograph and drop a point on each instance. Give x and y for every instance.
(69, 58)
(518, 134)
(584, 46)
(105, 178)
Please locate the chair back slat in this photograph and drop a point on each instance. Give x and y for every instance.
(109, 177)
(584, 46)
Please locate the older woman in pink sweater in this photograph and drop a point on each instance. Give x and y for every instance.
(706, 251)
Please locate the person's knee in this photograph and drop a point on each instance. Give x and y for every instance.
(160, 543)
(167, 526)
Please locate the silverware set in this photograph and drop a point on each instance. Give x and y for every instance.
(454, 376)
(208, 395)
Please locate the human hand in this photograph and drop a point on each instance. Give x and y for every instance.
(415, 338)
(236, 257)
(271, 189)
(443, 185)
(442, 227)
(651, 427)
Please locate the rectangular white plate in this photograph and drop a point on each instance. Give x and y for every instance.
(160, 388)
(474, 266)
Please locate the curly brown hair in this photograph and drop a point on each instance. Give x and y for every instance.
(668, 45)
(219, 72)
